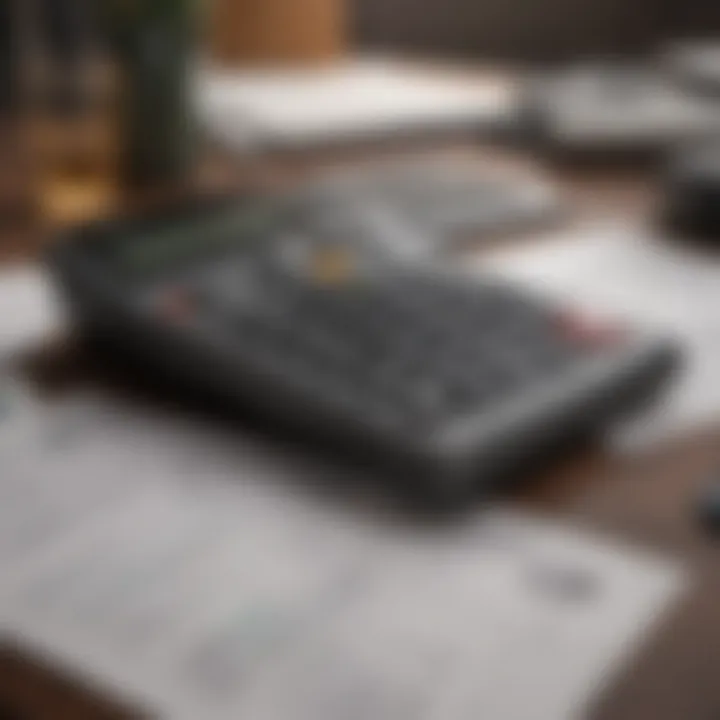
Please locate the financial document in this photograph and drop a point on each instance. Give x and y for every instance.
(191, 571)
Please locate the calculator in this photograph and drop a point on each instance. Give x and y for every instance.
(306, 312)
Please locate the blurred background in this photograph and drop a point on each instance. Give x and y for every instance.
(66, 65)
(570, 146)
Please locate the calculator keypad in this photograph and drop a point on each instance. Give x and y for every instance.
(406, 350)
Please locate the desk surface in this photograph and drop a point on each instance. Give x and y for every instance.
(645, 497)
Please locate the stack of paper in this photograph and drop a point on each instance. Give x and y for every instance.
(348, 102)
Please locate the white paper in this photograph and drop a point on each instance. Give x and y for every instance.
(178, 563)
(623, 271)
(624, 107)
(347, 101)
(28, 309)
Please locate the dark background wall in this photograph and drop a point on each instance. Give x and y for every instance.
(529, 29)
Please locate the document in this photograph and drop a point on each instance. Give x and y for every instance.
(29, 311)
(361, 100)
(192, 571)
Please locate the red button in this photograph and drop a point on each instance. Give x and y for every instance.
(589, 331)
(176, 305)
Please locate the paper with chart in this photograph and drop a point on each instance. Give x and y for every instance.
(182, 565)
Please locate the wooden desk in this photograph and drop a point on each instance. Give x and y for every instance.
(646, 498)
